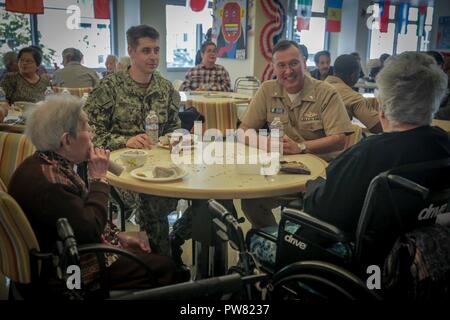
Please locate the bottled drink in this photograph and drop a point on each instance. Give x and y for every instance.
(84, 98)
(2, 95)
(152, 126)
(49, 92)
(277, 133)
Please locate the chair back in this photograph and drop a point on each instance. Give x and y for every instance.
(74, 91)
(177, 84)
(399, 201)
(3, 186)
(17, 241)
(247, 85)
(14, 148)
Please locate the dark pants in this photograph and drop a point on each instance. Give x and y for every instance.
(126, 274)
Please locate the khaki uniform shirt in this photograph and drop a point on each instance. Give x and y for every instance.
(74, 75)
(316, 113)
(357, 106)
(118, 108)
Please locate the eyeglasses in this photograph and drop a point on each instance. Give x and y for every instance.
(283, 66)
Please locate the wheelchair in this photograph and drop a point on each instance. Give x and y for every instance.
(314, 261)
(407, 199)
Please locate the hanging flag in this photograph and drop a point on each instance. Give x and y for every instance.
(334, 12)
(402, 17)
(421, 18)
(25, 6)
(384, 15)
(304, 12)
(101, 9)
(197, 5)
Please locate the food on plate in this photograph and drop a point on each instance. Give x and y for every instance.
(164, 172)
(294, 167)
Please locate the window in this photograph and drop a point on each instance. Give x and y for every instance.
(315, 39)
(408, 41)
(53, 35)
(15, 31)
(382, 42)
(183, 25)
(92, 38)
(395, 43)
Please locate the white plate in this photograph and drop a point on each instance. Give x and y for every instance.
(148, 171)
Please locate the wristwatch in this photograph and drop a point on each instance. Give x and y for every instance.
(302, 147)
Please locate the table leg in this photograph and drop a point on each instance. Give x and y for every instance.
(211, 254)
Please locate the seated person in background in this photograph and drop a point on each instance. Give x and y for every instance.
(411, 87)
(123, 64)
(346, 72)
(60, 132)
(4, 107)
(110, 64)
(358, 58)
(322, 59)
(305, 54)
(208, 75)
(444, 110)
(374, 71)
(41, 69)
(74, 75)
(10, 63)
(312, 113)
(26, 84)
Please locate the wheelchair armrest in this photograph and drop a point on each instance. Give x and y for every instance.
(332, 231)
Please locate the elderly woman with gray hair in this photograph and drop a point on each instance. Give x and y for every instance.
(47, 188)
(411, 87)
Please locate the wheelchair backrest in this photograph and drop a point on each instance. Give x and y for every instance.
(302, 237)
(398, 201)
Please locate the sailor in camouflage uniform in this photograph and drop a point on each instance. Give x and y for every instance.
(118, 107)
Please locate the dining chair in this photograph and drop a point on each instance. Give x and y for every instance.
(74, 91)
(14, 148)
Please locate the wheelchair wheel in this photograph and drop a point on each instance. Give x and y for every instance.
(318, 281)
(308, 288)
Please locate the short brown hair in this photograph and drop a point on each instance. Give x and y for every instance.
(284, 45)
(206, 44)
(142, 31)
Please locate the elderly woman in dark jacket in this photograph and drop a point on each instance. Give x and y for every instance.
(47, 188)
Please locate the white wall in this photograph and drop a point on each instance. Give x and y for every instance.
(128, 15)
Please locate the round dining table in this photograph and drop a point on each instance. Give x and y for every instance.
(215, 180)
(219, 108)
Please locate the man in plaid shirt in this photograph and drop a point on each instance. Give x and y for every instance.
(207, 76)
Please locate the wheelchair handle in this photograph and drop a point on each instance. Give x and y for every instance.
(409, 185)
(65, 233)
(218, 208)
